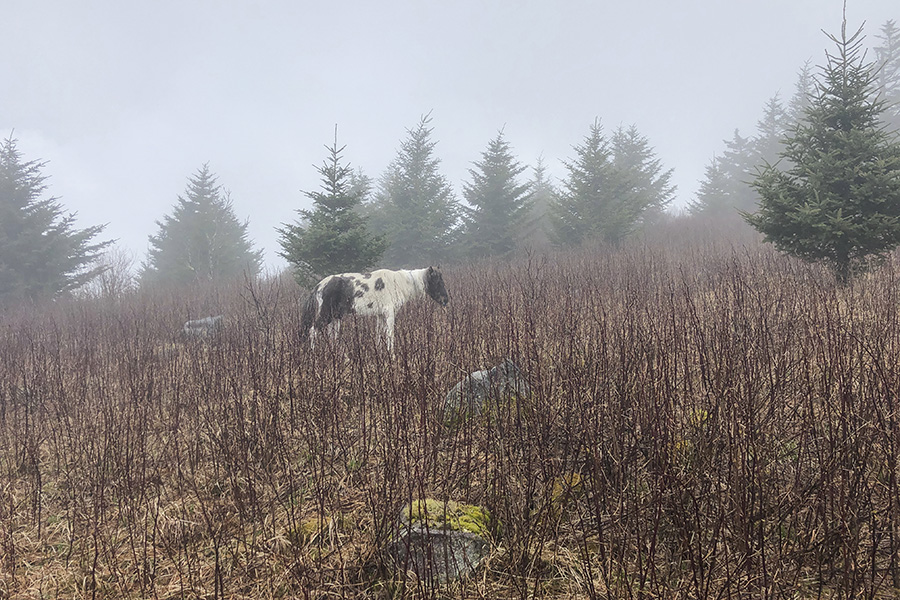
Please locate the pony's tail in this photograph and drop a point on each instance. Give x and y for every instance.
(308, 316)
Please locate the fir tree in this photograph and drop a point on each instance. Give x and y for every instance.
(714, 198)
(201, 240)
(888, 65)
(42, 255)
(579, 208)
(536, 226)
(498, 203)
(414, 205)
(612, 186)
(729, 192)
(334, 236)
(838, 200)
(642, 189)
(771, 131)
(804, 90)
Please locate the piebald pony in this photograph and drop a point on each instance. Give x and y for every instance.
(380, 293)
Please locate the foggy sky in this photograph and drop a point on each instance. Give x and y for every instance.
(127, 100)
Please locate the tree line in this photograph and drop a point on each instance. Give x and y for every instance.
(820, 179)
(410, 216)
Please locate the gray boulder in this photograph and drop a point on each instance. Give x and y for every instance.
(204, 328)
(440, 541)
(476, 390)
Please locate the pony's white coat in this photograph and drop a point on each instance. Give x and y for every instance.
(380, 293)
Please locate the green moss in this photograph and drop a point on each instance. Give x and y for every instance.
(564, 487)
(309, 529)
(450, 515)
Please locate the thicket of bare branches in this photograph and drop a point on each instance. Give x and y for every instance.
(706, 421)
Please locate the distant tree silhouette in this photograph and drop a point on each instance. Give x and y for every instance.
(888, 72)
(414, 205)
(535, 230)
(201, 240)
(726, 190)
(42, 255)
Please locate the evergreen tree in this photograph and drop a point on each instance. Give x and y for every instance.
(414, 205)
(41, 253)
(715, 196)
(580, 207)
(730, 192)
(804, 91)
(201, 240)
(838, 201)
(536, 226)
(771, 131)
(498, 203)
(612, 186)
(726, 190)
(888, 65)
(334, 236)
(642, 189)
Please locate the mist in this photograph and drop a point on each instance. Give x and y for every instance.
(126, 102)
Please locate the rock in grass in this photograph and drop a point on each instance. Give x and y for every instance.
(478, 389)
(440, 541)
(204, 328)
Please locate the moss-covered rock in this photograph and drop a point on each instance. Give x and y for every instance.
(449, 515)
(440, 541)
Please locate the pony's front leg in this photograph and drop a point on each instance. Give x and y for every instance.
(387, 331)
(334, 328)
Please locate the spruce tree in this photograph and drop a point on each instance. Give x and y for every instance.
(770, 133)
(641, 188)
(414, 205)
(333, 237)
(498, 202)
(577, 212)
(201, 240)
(804, 90)
(535, 230)
(42, 255)
(612, 187)
(837, 200)
(730, 191)
(888, 64)
(726, 190)
(715, 198)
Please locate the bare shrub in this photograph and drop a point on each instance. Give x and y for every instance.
(704, 420)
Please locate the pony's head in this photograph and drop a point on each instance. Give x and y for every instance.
(434, 286)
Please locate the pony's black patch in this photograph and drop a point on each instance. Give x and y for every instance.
(337, 301)
(379, 284)
(358, 294)
(434, 287)
(364, 286)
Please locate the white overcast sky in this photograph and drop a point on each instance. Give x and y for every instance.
(127, 99)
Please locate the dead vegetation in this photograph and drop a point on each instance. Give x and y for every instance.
(704, 422)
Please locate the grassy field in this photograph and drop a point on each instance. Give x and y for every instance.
(707, 421)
